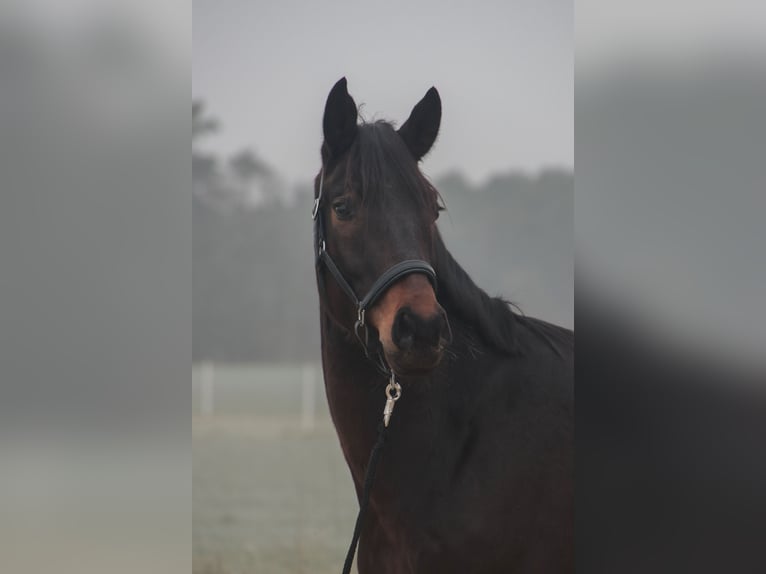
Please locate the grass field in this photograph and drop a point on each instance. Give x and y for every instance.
(270, 495)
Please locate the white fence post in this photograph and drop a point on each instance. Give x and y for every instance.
(308, 397)
(207, 389)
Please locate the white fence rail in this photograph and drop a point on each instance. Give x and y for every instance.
(259, 390)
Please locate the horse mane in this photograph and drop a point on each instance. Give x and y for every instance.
(492, 318)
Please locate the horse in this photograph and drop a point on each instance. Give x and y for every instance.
(477, 471)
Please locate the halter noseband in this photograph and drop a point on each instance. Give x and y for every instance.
(388, 278)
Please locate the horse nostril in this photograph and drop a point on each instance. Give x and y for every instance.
(405, 327)
(411, 330)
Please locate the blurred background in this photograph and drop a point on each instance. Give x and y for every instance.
(271, 490)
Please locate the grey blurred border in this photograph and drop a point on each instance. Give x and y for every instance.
(95, 294)
(670, 192)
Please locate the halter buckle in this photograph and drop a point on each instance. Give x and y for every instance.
(315, 209)
(360, 317)
(360, 325)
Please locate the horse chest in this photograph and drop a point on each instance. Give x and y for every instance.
(468, 505)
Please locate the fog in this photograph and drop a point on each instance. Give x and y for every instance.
(504, 71)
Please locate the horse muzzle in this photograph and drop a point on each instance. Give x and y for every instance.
(417, 340)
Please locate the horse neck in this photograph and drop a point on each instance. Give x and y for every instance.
(355, 395)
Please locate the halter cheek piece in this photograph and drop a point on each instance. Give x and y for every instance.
(388, 278)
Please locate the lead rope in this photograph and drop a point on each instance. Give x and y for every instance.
(393, 393)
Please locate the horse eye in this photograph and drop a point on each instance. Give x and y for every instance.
(342, 209)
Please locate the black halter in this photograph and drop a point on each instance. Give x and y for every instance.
(388, 278)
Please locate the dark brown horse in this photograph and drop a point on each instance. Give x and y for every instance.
(477, 471)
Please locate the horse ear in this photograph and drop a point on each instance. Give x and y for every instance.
(421, 128)
(339, 122)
